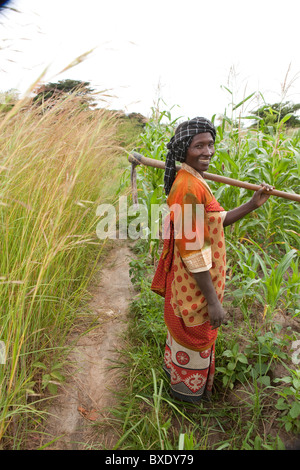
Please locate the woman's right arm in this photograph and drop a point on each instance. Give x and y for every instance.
(257, 200)
(215, 310)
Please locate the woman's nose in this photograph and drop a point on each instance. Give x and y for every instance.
(207, 151)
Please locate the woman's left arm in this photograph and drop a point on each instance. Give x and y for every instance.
(257, 200)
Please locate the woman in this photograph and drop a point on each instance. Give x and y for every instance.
(192, 268)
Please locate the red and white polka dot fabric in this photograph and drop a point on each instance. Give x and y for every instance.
(187, 300)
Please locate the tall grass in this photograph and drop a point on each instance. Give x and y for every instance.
(56, 166)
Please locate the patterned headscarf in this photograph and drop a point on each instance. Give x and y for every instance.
(179, 144)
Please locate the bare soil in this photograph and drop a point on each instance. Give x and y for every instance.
(80, 412)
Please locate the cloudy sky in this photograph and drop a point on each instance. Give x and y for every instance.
(183, 52)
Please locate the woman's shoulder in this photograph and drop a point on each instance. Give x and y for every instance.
(195, 182)
(188, 184)
(188, 178)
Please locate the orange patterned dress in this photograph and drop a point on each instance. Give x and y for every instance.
(190, 246)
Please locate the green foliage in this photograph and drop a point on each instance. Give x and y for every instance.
(289, 403)
(236, 367)
(138, 269)
(51, 377)
(263, 247)
(157, 132)
(147, 308)
(54, 91)
(272, 288)
(272, 114)
(256, 359)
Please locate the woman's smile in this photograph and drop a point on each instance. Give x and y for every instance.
(202, 161)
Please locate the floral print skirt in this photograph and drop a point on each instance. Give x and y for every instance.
(190, 372)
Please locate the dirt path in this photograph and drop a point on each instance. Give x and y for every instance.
(88, 391)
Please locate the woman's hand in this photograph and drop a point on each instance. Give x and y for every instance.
(260, 196)
(216, 314)
(215, 310)
(257, 200)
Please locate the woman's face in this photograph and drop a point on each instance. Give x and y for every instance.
(200, 152)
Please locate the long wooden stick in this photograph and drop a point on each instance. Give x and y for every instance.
(137, 159)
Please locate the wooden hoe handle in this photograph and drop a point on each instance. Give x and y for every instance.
(137, 159)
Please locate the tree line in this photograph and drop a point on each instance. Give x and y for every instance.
(48, 94)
